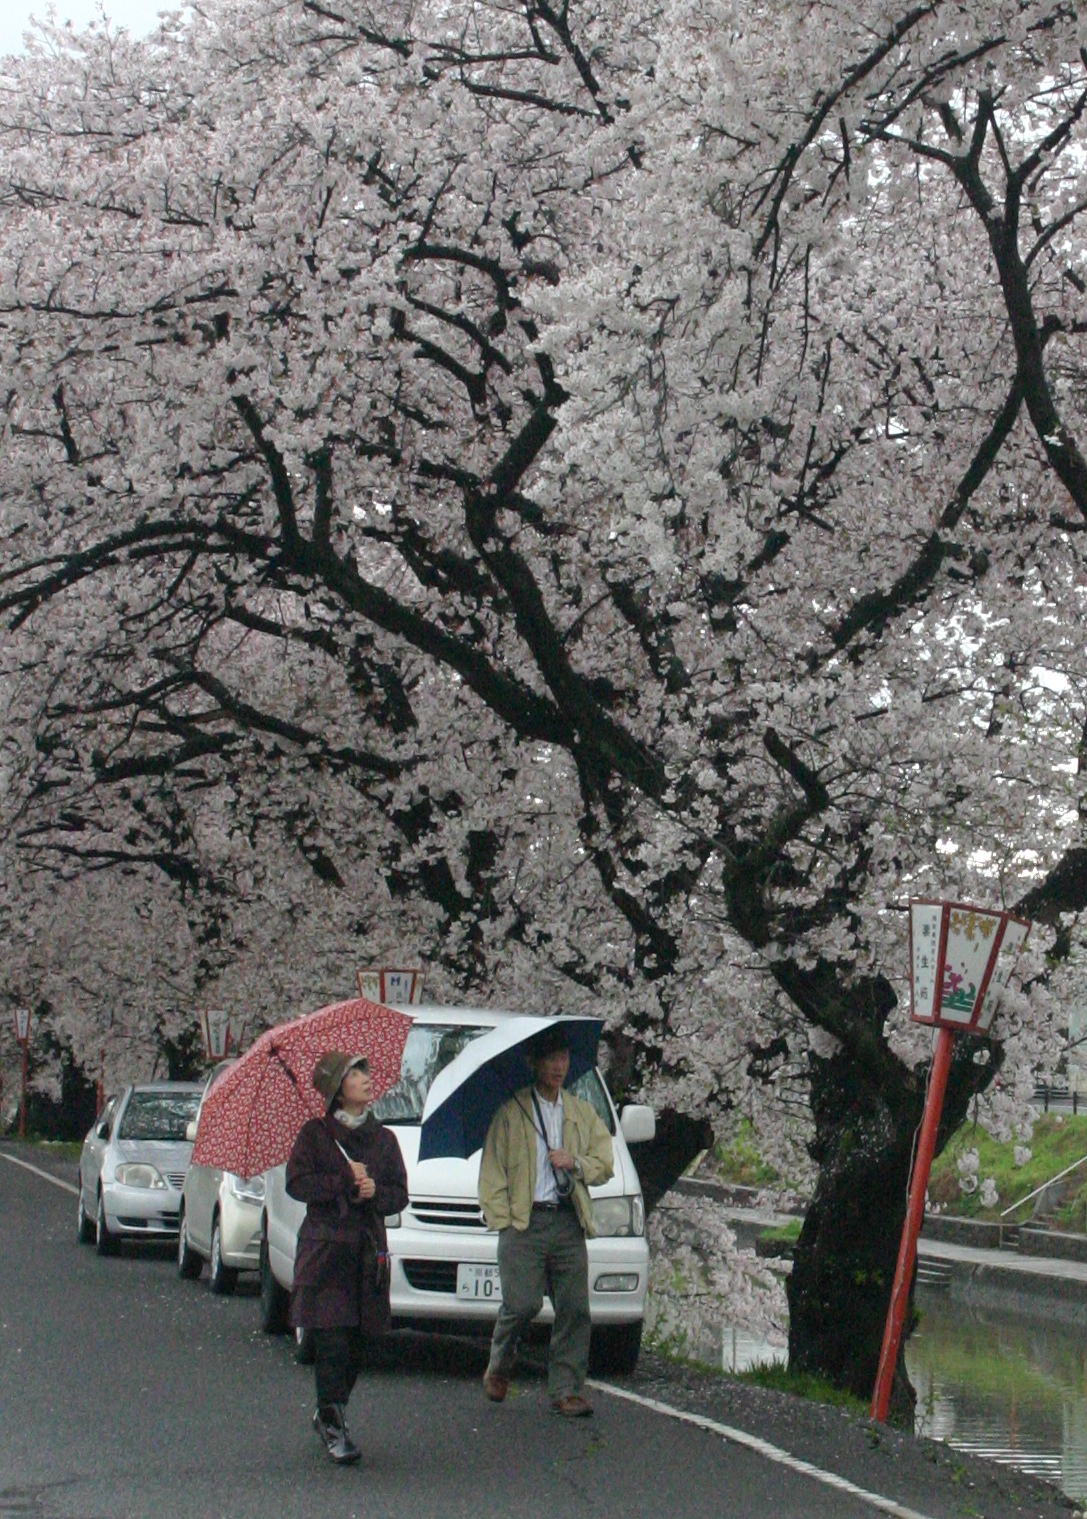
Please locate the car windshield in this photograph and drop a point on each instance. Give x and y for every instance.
(429, 1049)
(158, 1115)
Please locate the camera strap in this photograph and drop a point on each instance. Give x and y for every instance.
(564, 1182)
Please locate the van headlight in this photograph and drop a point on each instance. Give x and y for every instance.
(133, 1175)
(619, 1215)
(247, 1189)
(617, 1281)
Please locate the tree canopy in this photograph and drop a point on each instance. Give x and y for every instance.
(596, 490)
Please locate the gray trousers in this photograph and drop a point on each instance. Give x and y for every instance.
(547, 1257)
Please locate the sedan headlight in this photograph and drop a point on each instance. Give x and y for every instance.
(139, 1175)
(619, 1215)
(247, 1189)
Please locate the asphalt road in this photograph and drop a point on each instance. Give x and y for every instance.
(126, 1393)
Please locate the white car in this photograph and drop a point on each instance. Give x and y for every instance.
(444, 1258)
(133, 1164)
(220, 1220)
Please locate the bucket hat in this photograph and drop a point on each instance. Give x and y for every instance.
(330, 1070)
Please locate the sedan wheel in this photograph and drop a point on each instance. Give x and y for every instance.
(106, 1242)
(85, 1229)
(274, 1301)
(223, 1278)
(189, 1264)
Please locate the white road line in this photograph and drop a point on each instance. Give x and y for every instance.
(39, 1172)
(764, 1448)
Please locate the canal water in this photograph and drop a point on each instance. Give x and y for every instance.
(1002, 1386)
(1009, 1388)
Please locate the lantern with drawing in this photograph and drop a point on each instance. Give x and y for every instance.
(966, 953)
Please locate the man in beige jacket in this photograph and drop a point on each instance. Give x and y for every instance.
(545, 1148)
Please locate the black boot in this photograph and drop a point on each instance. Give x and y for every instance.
(328, 1421)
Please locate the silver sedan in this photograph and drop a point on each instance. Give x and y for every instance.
(133, 1164)
(220, 1219)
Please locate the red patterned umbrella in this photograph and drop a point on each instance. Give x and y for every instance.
(252, 1114)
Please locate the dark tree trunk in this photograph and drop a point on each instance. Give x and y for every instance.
(663, 1159)
(844, 1262)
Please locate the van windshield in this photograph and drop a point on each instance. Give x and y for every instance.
(590, 1089)
(429, 1049)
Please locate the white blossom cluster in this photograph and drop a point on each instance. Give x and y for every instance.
(700, 1281)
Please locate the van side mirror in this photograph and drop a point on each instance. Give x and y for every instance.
(190, 1130)
(102, 1130)
(638, 1123)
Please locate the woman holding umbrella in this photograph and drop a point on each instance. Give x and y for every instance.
(349, 1172)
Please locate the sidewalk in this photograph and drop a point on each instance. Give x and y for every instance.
(969, 1257)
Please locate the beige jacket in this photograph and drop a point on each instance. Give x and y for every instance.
(507, 1172)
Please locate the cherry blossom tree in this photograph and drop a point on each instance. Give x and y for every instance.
(603, 483)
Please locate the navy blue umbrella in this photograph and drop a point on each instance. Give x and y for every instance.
(465, 1096)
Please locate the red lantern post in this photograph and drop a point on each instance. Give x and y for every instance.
(960, 961)
(22, 1035)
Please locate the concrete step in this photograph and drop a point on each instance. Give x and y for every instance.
(932, 1273)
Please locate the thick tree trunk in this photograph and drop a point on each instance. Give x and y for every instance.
(844, 1262)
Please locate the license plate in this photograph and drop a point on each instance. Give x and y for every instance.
(479, 1283)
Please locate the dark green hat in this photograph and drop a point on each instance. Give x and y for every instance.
(330, 1070)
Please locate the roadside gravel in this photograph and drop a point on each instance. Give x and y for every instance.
(922, 1474)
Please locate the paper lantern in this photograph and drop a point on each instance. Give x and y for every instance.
(960, 959)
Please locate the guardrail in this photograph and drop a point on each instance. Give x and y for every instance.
(1012, 1206)
(1044, 1093)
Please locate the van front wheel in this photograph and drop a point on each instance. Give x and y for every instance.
(614, 1349)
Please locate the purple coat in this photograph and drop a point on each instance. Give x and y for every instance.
(336, 1280)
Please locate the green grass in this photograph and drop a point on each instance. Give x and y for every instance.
(787, 1233)
(739, 1161)
(1058, 1140)
(771, 1374)
(779, 1378)
(62, 1149)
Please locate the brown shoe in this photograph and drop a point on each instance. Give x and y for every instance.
(495, 1385)
(572, 1406)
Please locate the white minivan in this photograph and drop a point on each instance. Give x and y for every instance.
(444, 1271)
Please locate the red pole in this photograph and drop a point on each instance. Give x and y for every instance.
(915, 1210)
(22, 1104)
